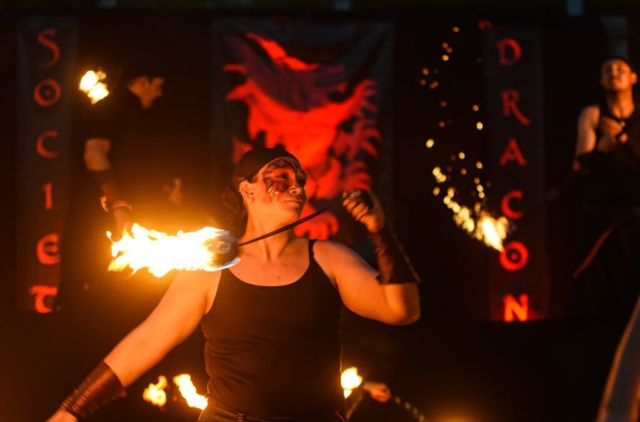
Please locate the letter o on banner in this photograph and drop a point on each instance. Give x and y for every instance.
(47, 92)
(514, 256)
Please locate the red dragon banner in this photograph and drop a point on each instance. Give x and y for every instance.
(314, 89)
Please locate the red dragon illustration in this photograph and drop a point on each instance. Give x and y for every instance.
(291, 104)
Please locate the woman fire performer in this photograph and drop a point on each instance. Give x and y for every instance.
(271, 321)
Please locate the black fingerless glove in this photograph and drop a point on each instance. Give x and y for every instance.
(393, 263)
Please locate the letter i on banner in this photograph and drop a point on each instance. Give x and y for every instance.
(518, 276)
(46, 64)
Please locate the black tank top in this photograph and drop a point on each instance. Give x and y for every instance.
(615, 184)
(275, 350)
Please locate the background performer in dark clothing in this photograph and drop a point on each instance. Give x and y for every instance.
(271, 321)
(607, 271)
(129, 173)
(608, 158)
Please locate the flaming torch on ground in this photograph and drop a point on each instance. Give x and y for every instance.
(155, 394)
(189, 392)
(92, 85)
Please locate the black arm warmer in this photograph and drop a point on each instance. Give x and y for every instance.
(98, 389)
(393, 263)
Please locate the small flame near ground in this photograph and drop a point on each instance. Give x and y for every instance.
(188, 391)
(155, 394)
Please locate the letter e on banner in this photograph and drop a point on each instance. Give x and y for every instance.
(47, 249)
(516, 309)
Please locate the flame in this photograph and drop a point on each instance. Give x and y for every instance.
(477, 222)
(161, 253)
(155, 394)
(492, 231)
(92, 85)
(350, 380)
(188, 391)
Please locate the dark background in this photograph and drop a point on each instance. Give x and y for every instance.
(452, 365)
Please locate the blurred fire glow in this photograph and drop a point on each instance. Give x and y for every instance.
(92, 85)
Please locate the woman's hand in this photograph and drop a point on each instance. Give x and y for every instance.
(378, 390)
(365, 208)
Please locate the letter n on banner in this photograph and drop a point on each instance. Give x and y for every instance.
(46, 67)
(518, 277)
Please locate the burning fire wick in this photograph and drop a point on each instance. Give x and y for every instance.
(208, 249)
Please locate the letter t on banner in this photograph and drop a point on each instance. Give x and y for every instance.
(518, 277)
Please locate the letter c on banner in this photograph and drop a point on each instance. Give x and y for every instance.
(41, 149)
(47, 92)
(47, 249)
(506, 208)
(514, 256)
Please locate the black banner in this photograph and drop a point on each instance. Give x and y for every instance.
(319, 91)
(46, 56)
(518, 279)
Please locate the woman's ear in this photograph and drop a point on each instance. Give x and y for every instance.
(246, 191)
